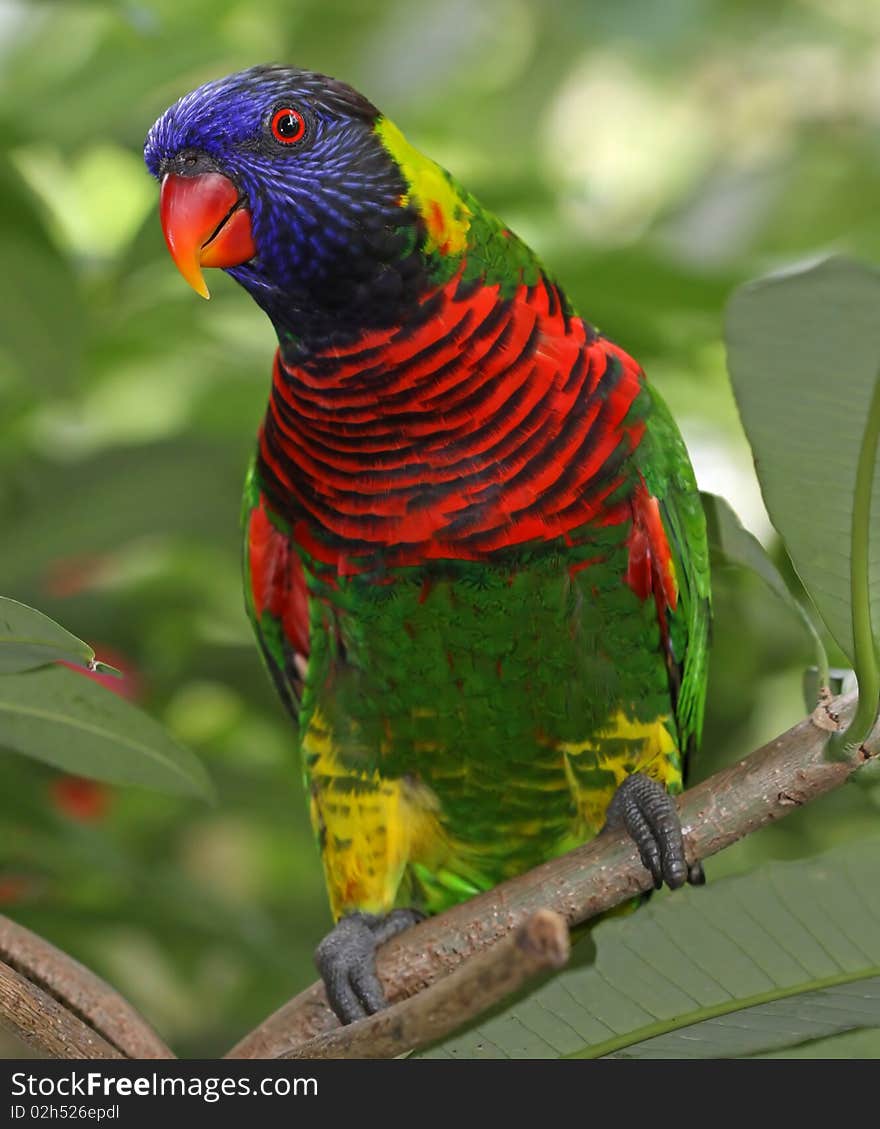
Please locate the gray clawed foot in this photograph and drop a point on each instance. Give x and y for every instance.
(648, 813)
(346, 960)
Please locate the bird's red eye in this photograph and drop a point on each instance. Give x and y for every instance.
(288, 125)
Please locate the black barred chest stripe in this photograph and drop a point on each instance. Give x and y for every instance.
(512, 416)
(450, 446)
(537, 438)
(392, 382)
(450, 411)
(324, 367)
(361, 386)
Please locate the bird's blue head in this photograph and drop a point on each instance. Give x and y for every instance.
(290, 181)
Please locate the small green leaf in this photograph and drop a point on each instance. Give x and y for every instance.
(58, 716)
(749, 965)
(804, 357)
(28, 639)
(731, 543)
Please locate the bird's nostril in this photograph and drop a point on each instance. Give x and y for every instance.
(191, 162)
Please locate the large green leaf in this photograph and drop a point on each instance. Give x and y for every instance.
(731, 543)
(864, 1043)
(804, 357)
(28, 639)
(65, 719)
(751, 964)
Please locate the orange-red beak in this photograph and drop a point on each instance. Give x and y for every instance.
(205, 225)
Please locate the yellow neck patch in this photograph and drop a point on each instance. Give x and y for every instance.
(446, 215)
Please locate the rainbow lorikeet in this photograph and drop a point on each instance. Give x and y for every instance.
(475, 554)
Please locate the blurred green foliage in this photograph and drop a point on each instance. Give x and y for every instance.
(655, 154)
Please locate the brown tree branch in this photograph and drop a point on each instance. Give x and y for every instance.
(788, 772)
(43, 1023)
(539, 944)
(73, 989)
(55, 1004)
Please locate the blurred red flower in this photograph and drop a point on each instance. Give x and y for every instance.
(86, 801)
(68, 576)
(13, 888)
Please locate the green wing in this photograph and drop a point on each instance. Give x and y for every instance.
(275, 595)
(666, 468)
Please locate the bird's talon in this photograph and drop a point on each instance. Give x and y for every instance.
(649, 815)
(346, 960)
